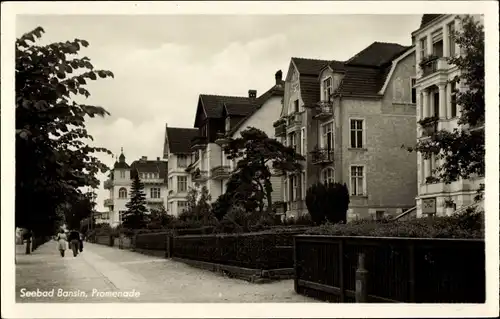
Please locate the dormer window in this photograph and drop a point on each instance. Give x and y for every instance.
(327, 89)
(228, 124)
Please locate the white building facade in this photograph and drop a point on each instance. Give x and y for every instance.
(152, 174)
(433, 45)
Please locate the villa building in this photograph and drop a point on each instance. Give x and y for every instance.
(152, 173)
(434, 43)
(226, 116)
(177, 151)
(349, 119)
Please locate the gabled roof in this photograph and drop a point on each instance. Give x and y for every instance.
(179, 139)
(148, 166)
(362, 81)
(428, 18)
(377, 54)
(214, 104)
(277, 90)
(309, 66)
(240, 109)
(309, 89)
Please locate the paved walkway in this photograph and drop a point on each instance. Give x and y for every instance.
(106, 274)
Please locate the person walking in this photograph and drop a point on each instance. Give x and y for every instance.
(81, 242)
(61, 242)
(74, 240)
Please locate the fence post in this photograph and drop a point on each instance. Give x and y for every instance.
(361, 280)
(167, 250)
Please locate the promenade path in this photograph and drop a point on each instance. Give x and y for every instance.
(93, 275)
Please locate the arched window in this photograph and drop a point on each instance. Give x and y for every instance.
(327, 176)
(122, 193)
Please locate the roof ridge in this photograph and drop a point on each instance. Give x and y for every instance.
(184, 128)
(311, 59)
(232, 96)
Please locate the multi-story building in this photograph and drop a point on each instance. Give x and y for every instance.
(223, 116)
(177, 151)
(349, 119)
(435, 98)
(152, 173)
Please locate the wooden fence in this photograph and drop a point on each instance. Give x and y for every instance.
(399, 269)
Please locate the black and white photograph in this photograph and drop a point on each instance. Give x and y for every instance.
(268, 159)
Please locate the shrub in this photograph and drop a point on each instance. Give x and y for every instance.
(327, 202)
(467, 225)
(221, 206)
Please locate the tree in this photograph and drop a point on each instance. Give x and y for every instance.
(462, 150)
(250, 183)
(80, 209)
(328, 202)
(221, 206)
(53, 158)
(135, 215)
(159, 218)
(198, 212)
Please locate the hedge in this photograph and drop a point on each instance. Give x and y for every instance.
(263, 250)
(152, 241)
(468, 225)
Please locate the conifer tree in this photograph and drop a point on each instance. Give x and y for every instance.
(135, 216)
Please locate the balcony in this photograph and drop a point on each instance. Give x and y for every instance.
(108, 202)
(199, 142)
(280, 127)
(199, 176)
(222, 139)
(108, 184)
(433, 64)
(324, 110)
(221, 172)
(322, 156)
(153, 181)
(428, 129)
(294, 122)
(157, 200)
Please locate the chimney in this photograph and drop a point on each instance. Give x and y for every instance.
(279, 77)
(144, 158)
(252, 94)
(158, 159)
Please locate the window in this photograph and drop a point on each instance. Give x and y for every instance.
(356, 133)
(155, 192)
(122, 174)
(423, 48)
(413, 91)
(228, 124)
(453, 99)
(303, 185)
(170, 180)
(295, 187)
(451, 38)
(293, 141)
(182, 184)
(181, 161)
(327, 89)
(327, 136)
(357, 181)
(296, 106)
(327, 176)
(285, 193)
(122, 193)
(120, 215)
(435, 97)
(303, 141)
(181, 206)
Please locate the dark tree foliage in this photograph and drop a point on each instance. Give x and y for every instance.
(250, 183)
(198, 212)
(328, 203)
(79, 210)
(53, 159)
(462, 149)
(221, 206)
(135, 215)
(159, 218)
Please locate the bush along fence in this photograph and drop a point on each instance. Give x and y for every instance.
(377, 269)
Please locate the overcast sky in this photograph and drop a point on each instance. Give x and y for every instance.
(162, 63)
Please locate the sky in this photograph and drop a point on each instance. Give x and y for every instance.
(162, 63)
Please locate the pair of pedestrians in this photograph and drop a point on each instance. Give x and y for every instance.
(74, 240)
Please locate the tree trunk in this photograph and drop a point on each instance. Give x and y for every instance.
(269, 204)
(28, 246)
